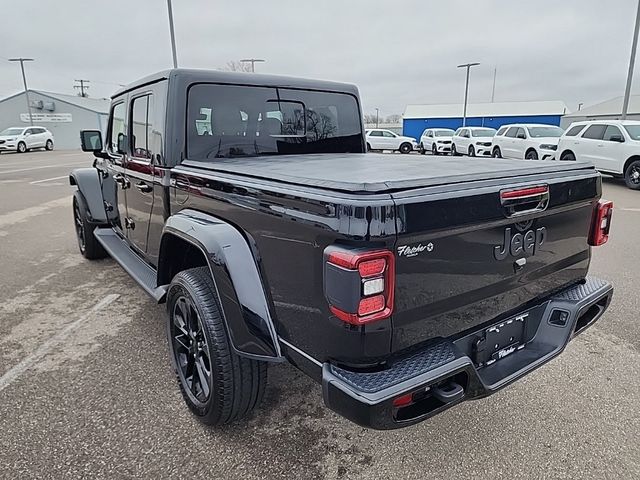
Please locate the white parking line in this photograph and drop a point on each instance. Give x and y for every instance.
(38, 168)
(48, 179)
(14, 373)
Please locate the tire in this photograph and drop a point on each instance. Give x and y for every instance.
(434, 149)
(405, 148)
(421, 149)
(49, 145)
(496, 153)
(472, 151)
(22, 147)
(89, 246)
(531, 155)
(454, 152)
(368, 147)
(235, 385)
(568, 156)
(632, 175)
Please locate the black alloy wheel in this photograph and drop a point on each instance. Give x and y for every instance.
(632, 175)
(496, 153)
(472, 151)
(434, 149)
(191, 351)
(531, 155)
(405, 148)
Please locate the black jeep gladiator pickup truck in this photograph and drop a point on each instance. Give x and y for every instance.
(402, 284)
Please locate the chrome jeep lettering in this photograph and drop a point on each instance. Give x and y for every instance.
(527, 243)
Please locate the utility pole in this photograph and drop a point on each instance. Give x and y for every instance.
(493, 90)
(173, 35)
(253, 62)
(632, 61)
(84, 84)
(377, 111)
(24, 81)
(466, 90)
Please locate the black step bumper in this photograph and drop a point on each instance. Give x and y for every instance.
(449, 371)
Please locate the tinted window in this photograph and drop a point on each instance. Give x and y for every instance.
(633, 131)
(443, 133)
(521, 133)
(539, 132)
(141, 128)
(595, 132)
(573, 131)
(483, 132)
(117, 126)
(388, 134)
(512, 132)
(501, 131)
(376, 133)
(612, 131)
(225, 121)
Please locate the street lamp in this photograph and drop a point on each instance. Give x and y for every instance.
(466, 90)
(24, 81)
(253, 62)
(173, 35)
(632, 61)
(376, 118)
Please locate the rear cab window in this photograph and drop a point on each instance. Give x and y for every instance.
(230, 121)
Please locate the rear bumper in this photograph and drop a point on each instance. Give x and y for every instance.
(367, 398)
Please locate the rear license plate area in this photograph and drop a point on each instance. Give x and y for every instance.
(500, 341)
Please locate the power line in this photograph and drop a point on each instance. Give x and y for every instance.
(84, 85)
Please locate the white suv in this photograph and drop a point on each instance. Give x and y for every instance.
(612, 145)
(436, 140)
(379, 139)
(472, 141)
(23, 139)
(530, 141)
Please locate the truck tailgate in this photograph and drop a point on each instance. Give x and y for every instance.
(465, 255)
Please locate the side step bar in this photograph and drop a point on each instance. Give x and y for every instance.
(139, 270)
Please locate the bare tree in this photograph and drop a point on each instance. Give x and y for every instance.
(370, 118)
(235, 66)
(394, 118)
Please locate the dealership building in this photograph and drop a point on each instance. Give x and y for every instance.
(64, 115)
(417, 118)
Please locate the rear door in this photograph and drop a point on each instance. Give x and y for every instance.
(464, 256)
(612, 153)
(375, 140)
(139, 169)
(591, 144)
(519, 143)
(508, 143)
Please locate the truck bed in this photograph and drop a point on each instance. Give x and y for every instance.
(380, 173)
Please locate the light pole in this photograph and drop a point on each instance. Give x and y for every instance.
(173, 35)
(632, 61)
(377, 111)
(580, 106)
(24, 81)
(466, 90)
(253, 62)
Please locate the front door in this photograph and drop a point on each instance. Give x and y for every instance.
(114, 184)
(139, 170)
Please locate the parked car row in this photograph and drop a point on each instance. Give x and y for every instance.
(23, 139)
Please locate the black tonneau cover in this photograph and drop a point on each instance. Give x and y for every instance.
(379, 173)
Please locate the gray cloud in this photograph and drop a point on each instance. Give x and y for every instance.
(396, 52)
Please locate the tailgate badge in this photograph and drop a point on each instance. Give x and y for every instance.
(414, 250)
(519, 243)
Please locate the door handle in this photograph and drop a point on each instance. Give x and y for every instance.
(143, 187)
(121, 180)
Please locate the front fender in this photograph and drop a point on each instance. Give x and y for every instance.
(239, 286)
(91, 186)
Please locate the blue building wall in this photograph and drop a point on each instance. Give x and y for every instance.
(413, 127)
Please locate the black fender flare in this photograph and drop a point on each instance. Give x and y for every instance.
(90, 185)
(244, 301)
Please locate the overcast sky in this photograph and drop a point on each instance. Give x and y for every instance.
(397, 52)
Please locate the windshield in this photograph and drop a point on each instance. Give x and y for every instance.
(12, 131)
(483, 132)
(227, 121)
(444, 133)
(633, 131)
(537, 132)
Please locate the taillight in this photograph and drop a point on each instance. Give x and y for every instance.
(359, 284)
(601, 223)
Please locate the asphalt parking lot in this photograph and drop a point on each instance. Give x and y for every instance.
(86, 388)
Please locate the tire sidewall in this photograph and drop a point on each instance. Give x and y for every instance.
(627, 176)
(405, 148)
(22, 147)
(49, 145)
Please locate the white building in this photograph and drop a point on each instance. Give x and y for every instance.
(64, 115)
(609, 110)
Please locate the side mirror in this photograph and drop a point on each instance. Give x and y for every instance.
(616, 138)
(121, 142)
(91, 140)
(26, 134)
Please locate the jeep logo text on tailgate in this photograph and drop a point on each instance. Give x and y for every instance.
(527, 242)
